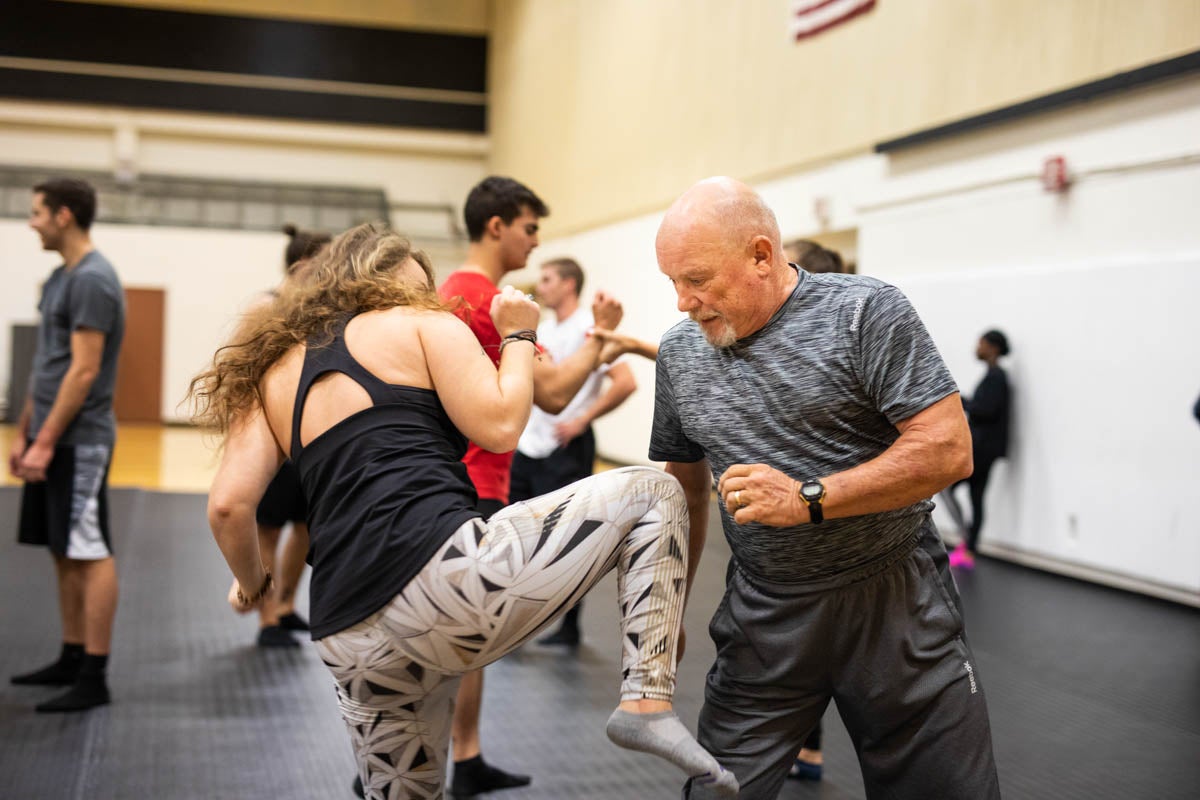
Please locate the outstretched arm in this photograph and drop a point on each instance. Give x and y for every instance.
(554, 384)
(621, 384)
(617, 344)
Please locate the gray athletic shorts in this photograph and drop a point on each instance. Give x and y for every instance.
(68, 512)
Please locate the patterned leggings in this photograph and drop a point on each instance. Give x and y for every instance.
(492, 587)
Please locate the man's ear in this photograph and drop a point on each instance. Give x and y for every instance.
(492, 228)
(64, 216)
(763, 251)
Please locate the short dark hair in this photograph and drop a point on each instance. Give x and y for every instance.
(817, 258)
(496, 196)
(567, 269)
(998, 340)
(77, 195)
(302, 245)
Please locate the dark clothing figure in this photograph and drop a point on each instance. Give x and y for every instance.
(988, 412)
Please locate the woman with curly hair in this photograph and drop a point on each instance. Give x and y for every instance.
(363, 378)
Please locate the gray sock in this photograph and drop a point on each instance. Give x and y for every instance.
(663, 735)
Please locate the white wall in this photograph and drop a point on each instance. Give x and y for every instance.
(1096, 289)
(209, 275)
(1105, 369)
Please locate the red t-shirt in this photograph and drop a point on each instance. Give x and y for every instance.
(489, 471)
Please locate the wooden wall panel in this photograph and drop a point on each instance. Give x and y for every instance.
(138, 397)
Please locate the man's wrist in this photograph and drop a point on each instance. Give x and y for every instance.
(802, 515)
(44, 439)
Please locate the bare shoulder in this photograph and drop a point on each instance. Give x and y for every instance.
(401, 318)
(430, 321)
(278, 387)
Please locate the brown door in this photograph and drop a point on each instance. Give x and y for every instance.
(140, 366)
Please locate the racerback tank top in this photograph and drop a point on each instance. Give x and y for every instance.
(385, 488)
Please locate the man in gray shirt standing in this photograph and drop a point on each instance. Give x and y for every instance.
(65, 438)
(828, 416)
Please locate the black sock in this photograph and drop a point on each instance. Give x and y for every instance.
(62, 672)
(570, 620)
(470, 766)
(89, 690)
(475, 776)
(93, 666)
(293, 622)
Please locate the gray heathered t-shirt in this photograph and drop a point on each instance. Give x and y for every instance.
(816, 391)
(88, 296)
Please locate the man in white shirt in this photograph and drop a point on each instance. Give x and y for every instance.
(558, 449)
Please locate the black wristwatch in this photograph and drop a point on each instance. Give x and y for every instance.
(812, 492)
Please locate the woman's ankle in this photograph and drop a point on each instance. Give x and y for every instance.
(645, 706)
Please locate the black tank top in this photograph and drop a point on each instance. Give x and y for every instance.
(385, 489)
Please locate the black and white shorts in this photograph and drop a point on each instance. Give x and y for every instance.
(68, 512)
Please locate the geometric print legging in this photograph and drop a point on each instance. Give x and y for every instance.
(491, 587)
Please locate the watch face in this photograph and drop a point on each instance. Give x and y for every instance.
(811, 491)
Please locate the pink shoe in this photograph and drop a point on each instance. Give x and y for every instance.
(960, 558)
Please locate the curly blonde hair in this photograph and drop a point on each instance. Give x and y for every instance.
(354, 274)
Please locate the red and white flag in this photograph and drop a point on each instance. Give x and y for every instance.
(810, 17)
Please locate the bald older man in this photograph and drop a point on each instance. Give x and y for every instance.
(830, 419)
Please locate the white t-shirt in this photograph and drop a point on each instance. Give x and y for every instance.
(561, 340)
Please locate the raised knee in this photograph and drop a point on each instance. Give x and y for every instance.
(654, 479)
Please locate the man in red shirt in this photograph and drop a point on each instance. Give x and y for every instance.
(502, 222)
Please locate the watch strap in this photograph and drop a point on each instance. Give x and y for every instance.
(815, 512)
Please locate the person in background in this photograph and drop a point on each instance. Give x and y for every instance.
(502, 217)
(988, 411)
(556, 450)
(815, 259)
(283, 501)
(65, 437)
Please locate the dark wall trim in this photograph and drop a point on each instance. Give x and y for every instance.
(37, 85)
(180, 201)
(249, 49)
(1122, 81)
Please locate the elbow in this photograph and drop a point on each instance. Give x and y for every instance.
(956, 452)
(507, 442)
(85, 376)
(553, 402)
(961, 462)
(696, 488)
(502, 437)
(222, 512)
(697, 497)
